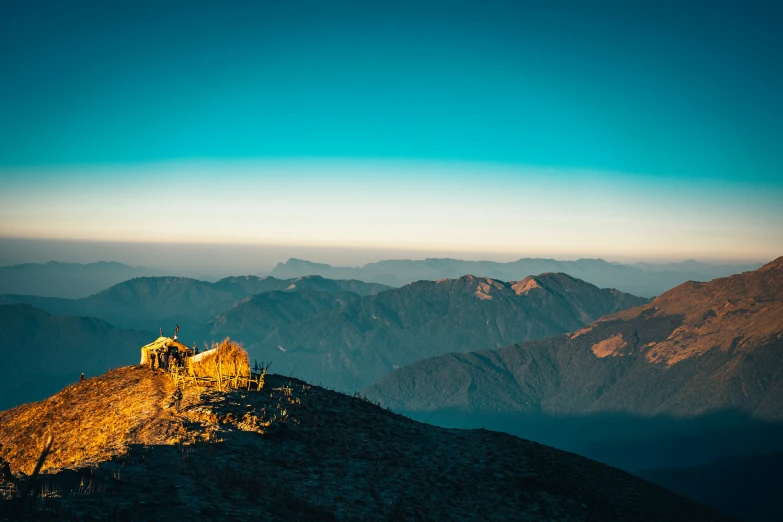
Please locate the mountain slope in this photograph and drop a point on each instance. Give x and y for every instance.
(644, 279)
(700, 349)
(333, 457)
(744, 486)
(41, 353)
(355, 345)
(259, 315)
(71, 280)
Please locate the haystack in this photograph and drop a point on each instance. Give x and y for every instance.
(227, 359)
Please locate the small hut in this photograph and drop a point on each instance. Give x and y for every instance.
(162, 344)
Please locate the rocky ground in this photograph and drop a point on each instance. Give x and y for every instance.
(294, 452)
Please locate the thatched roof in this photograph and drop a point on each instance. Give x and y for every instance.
(159, 344)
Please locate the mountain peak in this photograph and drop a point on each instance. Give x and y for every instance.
(526, 285)
(776, 264)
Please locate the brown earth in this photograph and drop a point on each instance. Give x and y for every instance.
(297, 452)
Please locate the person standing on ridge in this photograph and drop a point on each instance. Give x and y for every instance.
(81, 377)
(177, 396)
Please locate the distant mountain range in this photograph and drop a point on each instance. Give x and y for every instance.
(71, 280)
(150, 303)
(703, 357)
(642, 279)
(46, 342)
(345, 333)
(349, 344)
(41, 353)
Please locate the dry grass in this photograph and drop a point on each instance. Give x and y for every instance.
(227, 358)
(89, 421)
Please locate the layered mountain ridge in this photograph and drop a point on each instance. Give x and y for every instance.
(359, 342)
(643, 279)
(149, 303)
(736, 323)
(693, 376)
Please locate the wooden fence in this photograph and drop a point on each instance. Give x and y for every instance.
(181, 377)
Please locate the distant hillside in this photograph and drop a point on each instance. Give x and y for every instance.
(356, 344)
(150, 303)
(259, 315)
(746, 486)
(71, 280)
(643, 279)
(702, 350)
(41, 353)
(298, 452)
(244, 286)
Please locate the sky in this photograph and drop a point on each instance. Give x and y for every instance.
(622, 130)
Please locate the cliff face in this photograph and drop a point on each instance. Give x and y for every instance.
(298, 452)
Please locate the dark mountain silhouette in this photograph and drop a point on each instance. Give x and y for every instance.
(296, 452)
(644, 279)
(702, 363)
(71, 280)
(150, 303)
(745, 486)
(360, 342)
(41, 353)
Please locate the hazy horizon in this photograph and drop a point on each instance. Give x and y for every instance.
(492, 130)
(221, 260)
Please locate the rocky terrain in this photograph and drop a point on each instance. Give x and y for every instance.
(354, 345)
(294, 452)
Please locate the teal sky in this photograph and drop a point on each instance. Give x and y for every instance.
(669, 108)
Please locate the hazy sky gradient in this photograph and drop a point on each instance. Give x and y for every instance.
(614, 129)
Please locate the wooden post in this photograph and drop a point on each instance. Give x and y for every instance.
(220, 383)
